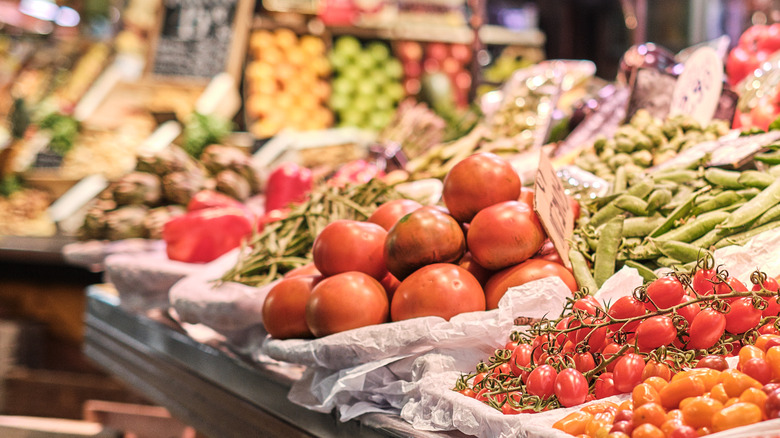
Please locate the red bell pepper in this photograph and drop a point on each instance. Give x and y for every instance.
(210, 199)
(288, 183)
(203, 235)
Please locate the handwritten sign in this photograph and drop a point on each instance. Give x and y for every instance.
(199, 39)
(552, 206)
(698, 88)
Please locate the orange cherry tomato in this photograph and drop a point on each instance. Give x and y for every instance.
(773, 357)
(597, 408)
(652, 413)
(736, 415)
(670, 426)
(598, 427)
(699, 411)
(718, 392)
(735, 382)
(617, 435)
(674, 414)
(755, 396)
(653, 368)
(656, 382)
(626, 405)
(647, 430)
(574, 423)
(731, 401)
(708, 376)
(677, 390)
(748, 352)
(644, 393)
(761, 341)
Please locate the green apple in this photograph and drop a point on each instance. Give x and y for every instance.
(347, 45)
(343, 86)
(394, 69)
(384, 102)
(378, 51)
(395, 91)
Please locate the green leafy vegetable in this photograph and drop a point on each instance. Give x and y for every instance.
(63, 130)
(203, 130)
(9, 185)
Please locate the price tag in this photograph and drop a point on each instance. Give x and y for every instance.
(552, 206)
(698, 88)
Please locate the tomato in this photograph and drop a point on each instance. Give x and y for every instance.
(527, 196)
(664, 293)
(596, 337)
(346, 245)
(423, 237)
(541, 381)
(587, 304)
(736, 415)
(390, 283)
(628, 372)
(626, 307)
(654, 332)
(690, 311)
(440, 289)
(609, 351)
(346, 301)
(302, 271)
(742, 316)
(749, 352)
(714, 362)
(677, 390)
(770, 284)
(621, 427)
(571, 387)
(753, 37)
(563, 324)
(755, 396)
(772, 404)
(387, 214)
(505, 234)
(763, 341)
(284, 308)
(584, 362)
(642, 394)
(468, 392)
(605, 386)
(705, 330)
(477, 182)
(525, 272)
(507, 408)
(574, 423)
(649, 413)
(741, 62)
(647, 430)
(548, 252)
(478, 379)
(520, 358)
(735, 382)
(729, 286)
(502, 371)
(702, 281)
(480, 273)
(768, 329)
(773, 357)
(699, 411)
(656, 369)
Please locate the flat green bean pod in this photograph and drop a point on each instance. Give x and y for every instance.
(606, 250)
(768, 198)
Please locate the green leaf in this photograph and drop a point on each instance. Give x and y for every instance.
(775, 125)
(203, 130)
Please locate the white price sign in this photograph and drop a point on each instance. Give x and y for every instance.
(698, 88)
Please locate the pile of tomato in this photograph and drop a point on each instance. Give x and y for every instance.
(591, 352)
(409, 260)
(707, 399)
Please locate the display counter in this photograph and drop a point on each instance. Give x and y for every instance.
(36, 250)
(211, 389)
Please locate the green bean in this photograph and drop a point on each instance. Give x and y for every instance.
(754, 178)
(711, 238)
(609, 211)
(680, 197)
(619, 185)
(632, 204)
(646, 251)
(693, 229)
(606, 251)
(657, 199)
(770, 215)
(721, 200)
(725, 178)
(646, 273)
(678, 213)
(748, 194)
(582, 275)
(641, 226)
(769, 157)
(678, 176)
(752, 209)
(743, 237)
(667, 262)
(684, 252)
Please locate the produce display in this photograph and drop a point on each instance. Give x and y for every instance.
(658, 332)
(366, 83)
(420, 60)
(140, 203)
(286, 82)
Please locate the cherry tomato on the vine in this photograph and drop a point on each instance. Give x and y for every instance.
(541, 381)
(628, 372)
(571, 387)
(702, 281)
(742, 316)
(705, 330)
(664, 293)
(654, 332)
(605, 386)
(626, 307)
(584, 362)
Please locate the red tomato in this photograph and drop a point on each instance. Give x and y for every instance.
(477, 182)
(520, 358)
(771, 40)
(626, 307)
(596, 337)
(654, 332)
(390, 283)
(284, 309)
(548, 252)
(762, 114)
(440, 289)
(729, 286)
(628, 372)
(742, 316)
(690, 311)
(422, 237)
(480, 273)
(346, 245)
(527, 197)
(541, 381)
(571, 387)
(758, 368)
(773, 306)
(587, 304)
(605, 386)
(664, 293)
(714, 362)
(584, 362)
(387, 214)
(609, 351)
(346, 301)
(705, 330)
(529, 270)
(505, 234)
(702, 281)
(307, 269)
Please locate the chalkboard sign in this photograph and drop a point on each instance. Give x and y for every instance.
(199, 39)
